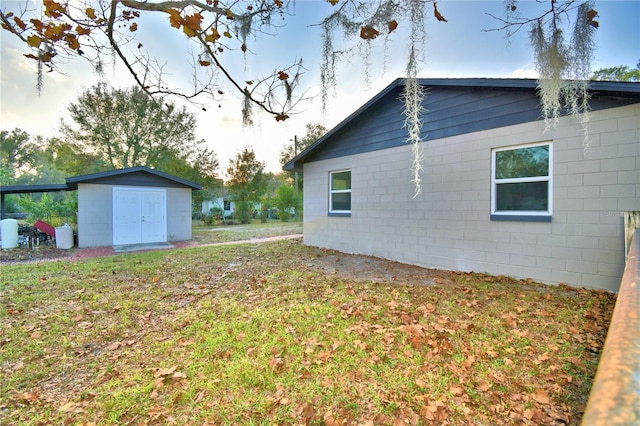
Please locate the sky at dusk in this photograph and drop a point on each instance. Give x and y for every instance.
(457, 48)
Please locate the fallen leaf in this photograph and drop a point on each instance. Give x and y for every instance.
(68, 407)
(360, 344)
(541, 396)
(276, 363)
(329, 420)
(162, 372)
(336, 345)
(324, 356)
(27, 397)
(456, 390)
(179, 375)
(544, 356)
(483, 385)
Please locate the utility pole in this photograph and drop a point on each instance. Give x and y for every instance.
(295, 154)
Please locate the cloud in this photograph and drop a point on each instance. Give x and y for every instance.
(526, 71)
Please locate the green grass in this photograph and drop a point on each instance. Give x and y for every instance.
(259, 334)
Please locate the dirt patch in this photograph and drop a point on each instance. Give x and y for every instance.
(349, 266)
(36, 254)
(368, 268)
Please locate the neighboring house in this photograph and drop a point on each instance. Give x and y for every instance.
(222, 203)
(127, 206)
(499, 193)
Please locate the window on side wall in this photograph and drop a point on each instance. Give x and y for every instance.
(521, 183)
(340, 193)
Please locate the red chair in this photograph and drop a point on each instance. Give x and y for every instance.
(45, 227)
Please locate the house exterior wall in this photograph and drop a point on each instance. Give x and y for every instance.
(178, 214)
(448, 225)
(95, 215)
(220, 203)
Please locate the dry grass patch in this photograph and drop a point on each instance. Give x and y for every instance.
(280, 333)
(221, 233)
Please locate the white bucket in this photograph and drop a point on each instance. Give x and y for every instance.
(64, 237)
(9, 230)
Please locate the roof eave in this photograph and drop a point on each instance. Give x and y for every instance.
(31, 189)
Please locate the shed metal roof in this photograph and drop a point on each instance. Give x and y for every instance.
(30, 189)
(73, 182)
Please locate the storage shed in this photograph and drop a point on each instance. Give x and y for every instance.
(136, 205)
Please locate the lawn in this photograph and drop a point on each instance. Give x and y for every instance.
(221, 233)
(281, 333)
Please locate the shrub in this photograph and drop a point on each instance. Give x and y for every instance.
(286, 200)
(244, 211)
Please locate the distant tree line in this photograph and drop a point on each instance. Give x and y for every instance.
(110, 128)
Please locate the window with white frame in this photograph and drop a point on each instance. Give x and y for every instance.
(521, 182)
(340, 192)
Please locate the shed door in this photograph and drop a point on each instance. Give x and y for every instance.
(139, 216)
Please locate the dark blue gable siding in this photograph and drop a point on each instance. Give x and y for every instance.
(133, 176)
(380, 128)
(448, 111)
(137, 179)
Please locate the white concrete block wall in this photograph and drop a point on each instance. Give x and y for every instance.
(448, 225)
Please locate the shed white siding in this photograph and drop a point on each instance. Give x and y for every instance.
(448, 225)
(179, 214)
(95, 214)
